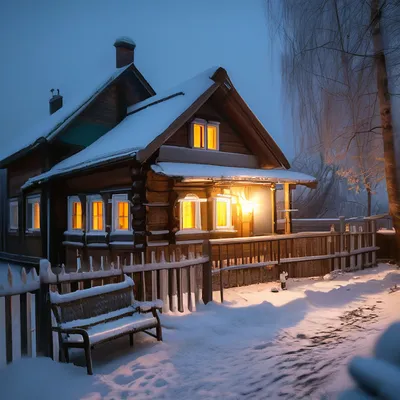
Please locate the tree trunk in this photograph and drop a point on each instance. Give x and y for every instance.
(389, 142)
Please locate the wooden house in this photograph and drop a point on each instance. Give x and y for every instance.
(127, 170)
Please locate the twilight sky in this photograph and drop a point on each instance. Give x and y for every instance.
(69, 45)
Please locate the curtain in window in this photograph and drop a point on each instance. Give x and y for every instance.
(76, 215)
(123, 215)
(97, 216)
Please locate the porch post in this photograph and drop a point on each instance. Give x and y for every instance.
(288, 225)
(273, 208)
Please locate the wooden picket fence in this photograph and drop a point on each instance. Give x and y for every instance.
(18, 315)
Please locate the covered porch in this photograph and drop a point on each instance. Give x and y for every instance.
(214, 202)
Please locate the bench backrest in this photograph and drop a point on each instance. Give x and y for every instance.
(93, 302)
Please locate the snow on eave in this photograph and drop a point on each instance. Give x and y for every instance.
(59, 124)
(206, 172)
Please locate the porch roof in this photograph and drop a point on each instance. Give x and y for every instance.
(206, 172)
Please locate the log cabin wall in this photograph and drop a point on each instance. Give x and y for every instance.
(68, 244)
(18, 172)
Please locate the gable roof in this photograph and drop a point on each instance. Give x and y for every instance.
(150, 123)
(57, 122)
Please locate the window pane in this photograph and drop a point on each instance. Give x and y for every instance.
(97, 216)
(188, 214)
(198, 136)
(76, 215)
(212, 137)
(123, 215)
(14, 215)
(222, 213)
(36, 215)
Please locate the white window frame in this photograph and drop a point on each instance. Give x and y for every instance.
(228, 200)
(13, 203)
(71, 201)
(117, 198)
(89, 217)
(194, 198)
(30, 201)
(205, 124)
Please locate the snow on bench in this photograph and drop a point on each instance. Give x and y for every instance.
(88, 317)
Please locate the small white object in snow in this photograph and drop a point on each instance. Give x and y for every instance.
(274, 290)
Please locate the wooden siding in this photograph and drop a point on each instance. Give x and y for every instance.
(21, 170)
(229, 139)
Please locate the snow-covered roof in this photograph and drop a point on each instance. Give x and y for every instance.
(145, 122)
(54, 123)
(216, 172)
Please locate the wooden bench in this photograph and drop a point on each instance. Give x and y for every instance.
(88, 317)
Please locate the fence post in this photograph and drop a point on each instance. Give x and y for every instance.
(3, 343)
(331, 247)
(207, 273)
(359, 256)
(373, 233)
(352, 248)
(342, 223)
(31, 324)
(45, 343)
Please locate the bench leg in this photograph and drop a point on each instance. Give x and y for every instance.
(131, 340)
(66, 354)
(159, 331)
(88, 356)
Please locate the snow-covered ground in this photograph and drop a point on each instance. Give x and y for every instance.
(257, 345)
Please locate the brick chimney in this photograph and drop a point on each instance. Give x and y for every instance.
(56, 101)
(125, 51)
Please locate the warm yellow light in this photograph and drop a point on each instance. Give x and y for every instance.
(97, 216)
(212, 137)
(198, 136)
(36, 215)
(123, 214)
(76, 215)
(246, 205)
(222, 213)
(188, 215)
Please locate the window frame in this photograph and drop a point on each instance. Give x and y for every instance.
(13, 202)
(30, 202)
(192, 198)
(228, 200)
(116, 199)
(71, 201)
(93, 198)
(205, 124)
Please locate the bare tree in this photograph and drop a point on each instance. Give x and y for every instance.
(336, 72)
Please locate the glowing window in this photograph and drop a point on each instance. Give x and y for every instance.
(205, 135)
(33, 213)
(198, 136)
(76, 215)
(212, 137)
(188, 215)
(190, 212)
(223, 213)
(123, 215)
(97, 215)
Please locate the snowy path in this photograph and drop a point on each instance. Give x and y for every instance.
(257, 345)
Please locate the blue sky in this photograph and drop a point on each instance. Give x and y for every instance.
(69, 45)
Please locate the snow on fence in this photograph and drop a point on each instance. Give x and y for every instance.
(18, 322)
(178, 283)
(242, 261)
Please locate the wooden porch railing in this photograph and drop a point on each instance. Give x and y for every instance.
(240, 261)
